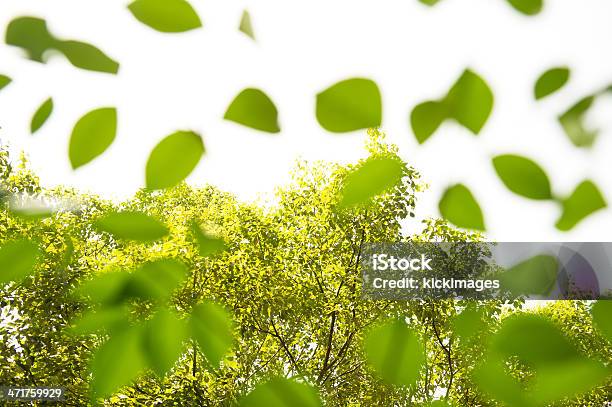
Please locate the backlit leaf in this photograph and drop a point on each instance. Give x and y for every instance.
(131, 225)
(573, 124)
(523, 176)
(169, 16)
(156, 280)
(86, 56)
(17, 260)
(551, 81)
(4, 81)
(395, 353)
(41, 115)
(528, 7)
(246, 25)
(602, 317)
(426, 118)
(108, 288)
(376, 176)
(352, 104)
(584, 201)
(468, 324)
(470, 101)
(534, 276)
(163, 341)
(459, 206)
(281, 392)
(173, 159)
(99, 320)
(92, 135)
(254, 109)
(212, 328)
(207, 245)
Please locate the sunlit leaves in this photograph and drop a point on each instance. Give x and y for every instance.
(92, 135)
(211, 327)
(4, 81)
(573, 124)
(459, 206)
(169, 16)
(41, 115)
(282, 392)
(163, 340)
(602, 317)
(585, 200)
(551, 81)
(534, 276)
(374, 177)
(395, 353)
(246, 25)
(173, 159)
(254, 109)
(528, 7)
(352, 104)
(117, 362)
(207, 245)
(17, 260)
(469, 102)
(523, 176)
(33, 36)
(130, 225)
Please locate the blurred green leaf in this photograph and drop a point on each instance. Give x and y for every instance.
(426, 118)
(528, 7)
(281, 392)
(602, 317)
(163, 341)
(551, 81)
(17, 260)
(459, 206)
(92, 135)
(254, 109)
(470, 101)
(349, 105)
(491, 378)
(98, 320)
(572, 122)
(376, 176)
(468, 324)
(523, 176)
(207, 245)
(131, 225)
(429, 2)
(156, 280)
(395, 353)
(211, 327)
(246, 25)
(117, 362)
(584, 201)
(169, 16)
(108, 288)
(173, 159)
(4, 81)
(86, 56)
(41, 115)
(534, 276)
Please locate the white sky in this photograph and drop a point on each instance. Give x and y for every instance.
(186, 81)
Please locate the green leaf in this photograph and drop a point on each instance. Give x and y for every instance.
(602, 318)
(470, 101)
(131, 225)
(212, 328)
(468, 324)
(17, 260)
(92, 135)
(523, 176)
(4, 81)
(253, 108)
(352, 104)
(108, 288)
(246, 26)
(572, 122)
(88, 57)
(117, 362)
(207, 245)
(551, 81)
(156, 280)
(41, 115)
(105, 319)
(584, 201)
(395, 353)
(430, 2)
(281, 392)
(534, 276)
(426, 118)
(491, 378)
(528, 7)
(459, 206)
(374, 177)
(169, 16)
(173, 159)
(163, 341)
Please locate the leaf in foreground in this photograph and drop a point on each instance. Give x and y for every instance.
(459, 206)
(573, 123)
(602, 317)
(376, 176)
(168, 16)
(17, 260)
(534, 276)
(246, 25)
(156, 280)
(350, 105)
(584, 201)
(4, 81)
(470, 101)
(212, 328)
(395, 353)
(528, 7)
(92, 135)
(41, 115)
(254, 109)
(173, 159)
(164, 336)
(281, 392)
(130, 225)
(105, 319)
(207, 245)
(523, 176)
(551, 81)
